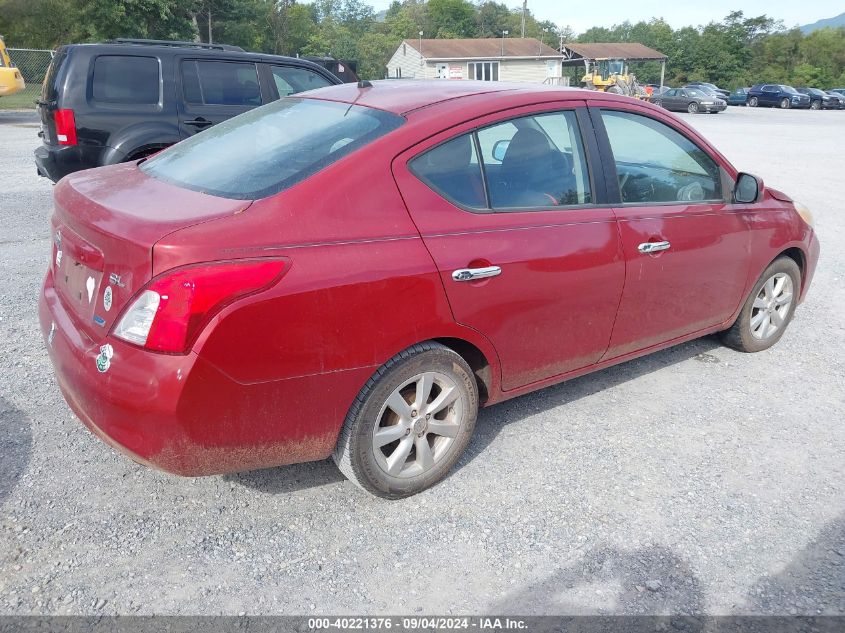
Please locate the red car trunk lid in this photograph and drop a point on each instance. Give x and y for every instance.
(105, 225)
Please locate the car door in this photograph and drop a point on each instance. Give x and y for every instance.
(214, 90)
(671, 99)
(686, 247)
(510, 210)
(769, 95)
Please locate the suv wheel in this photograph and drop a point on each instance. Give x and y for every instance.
(753, 101)
(784, 104)
(816, 105)
(410, 423)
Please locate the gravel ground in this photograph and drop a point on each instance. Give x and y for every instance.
(696, 480)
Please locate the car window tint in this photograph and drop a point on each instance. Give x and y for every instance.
(221, 83)
(538, 161)
(655, 163)
(271, 148)
(452, 170)
(290, 80)
(126, 79)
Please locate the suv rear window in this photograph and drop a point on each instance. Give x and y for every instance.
(49, 89)
(271, 148)
(126, 79)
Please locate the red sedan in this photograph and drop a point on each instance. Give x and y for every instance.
(353, 272)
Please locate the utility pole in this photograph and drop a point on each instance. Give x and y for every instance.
(503, 42)
(524, 9)
(209, 22)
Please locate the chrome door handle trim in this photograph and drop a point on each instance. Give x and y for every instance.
(471, 274)
(653, 247)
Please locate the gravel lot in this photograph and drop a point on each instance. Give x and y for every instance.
(696, 480)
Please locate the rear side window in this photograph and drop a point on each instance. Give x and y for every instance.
(126, 79)
(655, 163)
(221, 83)
(290, 80)
(271, 148)
(532, 162)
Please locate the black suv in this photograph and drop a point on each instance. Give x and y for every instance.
(107, 103)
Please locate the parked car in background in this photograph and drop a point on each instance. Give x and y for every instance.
(103, 104)
(11, 80)
(819, 99)
(840, 91)
(837, 100)
(738, 97)
(248, 298)
(777, 96)
(723, 94)
(690, 100)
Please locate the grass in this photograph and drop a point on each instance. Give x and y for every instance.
(25, 99)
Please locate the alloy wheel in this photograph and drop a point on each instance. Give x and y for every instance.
(692, 108)
(784, 103)
(418, 424)
(771, 306)
(753, 102)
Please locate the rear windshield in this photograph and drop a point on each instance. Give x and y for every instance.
(271, 148)
(50, 89)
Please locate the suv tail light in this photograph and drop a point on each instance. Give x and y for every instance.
(65, 127)
(173, 308)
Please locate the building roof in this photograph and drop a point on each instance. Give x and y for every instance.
(618, 50)
(482, 48)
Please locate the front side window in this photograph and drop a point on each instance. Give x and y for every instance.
(271, 148)
(526, 163)
(483, 71)
(291, 79)
(655, 163)
(125, 79)
(221, 83)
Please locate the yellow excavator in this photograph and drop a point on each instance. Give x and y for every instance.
(11, 80)
(611, 75)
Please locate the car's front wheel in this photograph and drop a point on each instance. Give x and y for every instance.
(816, 105)
(768, 309)
(410, 423)
(784, 103)
(692, 108)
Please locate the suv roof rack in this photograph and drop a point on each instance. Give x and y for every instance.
(176, 44)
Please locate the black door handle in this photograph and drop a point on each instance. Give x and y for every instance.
(199, 122)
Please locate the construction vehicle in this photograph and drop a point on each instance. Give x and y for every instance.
(11, 80)
(611, 75)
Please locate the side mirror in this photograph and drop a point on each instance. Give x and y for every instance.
(500, 148)
(748, 188)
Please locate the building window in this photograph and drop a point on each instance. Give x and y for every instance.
(483, 71)
(398, 73)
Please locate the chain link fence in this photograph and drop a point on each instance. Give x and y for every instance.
(33, 64)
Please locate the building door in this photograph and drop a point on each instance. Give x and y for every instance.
(441, 71)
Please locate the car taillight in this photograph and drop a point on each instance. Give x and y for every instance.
(65, 127)
(170, 312)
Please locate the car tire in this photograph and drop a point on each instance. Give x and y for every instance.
(753, 102)
(784, 104)
(427, 371)
(751, 331)
(815, 105)
(692, 108)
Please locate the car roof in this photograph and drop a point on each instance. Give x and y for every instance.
(166, 49)
(402, 96)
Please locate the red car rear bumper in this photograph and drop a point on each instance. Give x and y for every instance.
(182, 415)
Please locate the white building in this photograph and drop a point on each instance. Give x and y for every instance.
(493, 59)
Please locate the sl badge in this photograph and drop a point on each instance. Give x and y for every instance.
(104, 358)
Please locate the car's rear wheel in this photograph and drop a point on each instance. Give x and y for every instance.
(692, 108)
(410, 423)
(768, 309)
(753, 102)
(784, 103)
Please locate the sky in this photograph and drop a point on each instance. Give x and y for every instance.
(582, 15)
